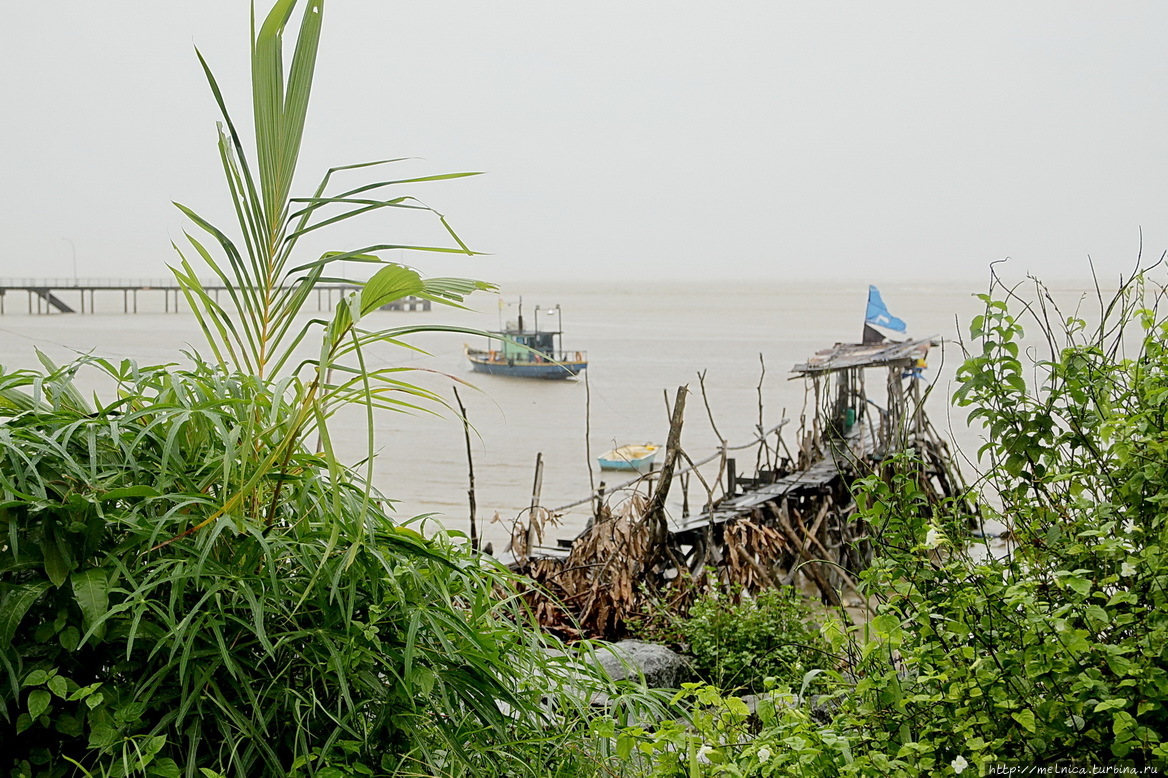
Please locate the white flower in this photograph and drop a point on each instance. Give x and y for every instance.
(703, 754)
(933, 538)
(1127, 569)
(764, 754)
(959, 764)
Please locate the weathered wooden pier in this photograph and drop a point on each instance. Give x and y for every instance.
(48, 296)
(792, 522)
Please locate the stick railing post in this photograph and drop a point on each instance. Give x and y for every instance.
(536, 488)
(655, 514)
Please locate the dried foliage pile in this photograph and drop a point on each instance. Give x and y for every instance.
(614, 575)
(597, 588)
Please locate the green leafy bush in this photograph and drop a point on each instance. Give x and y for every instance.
(1057, 650)
(723, 736)
(737, 642)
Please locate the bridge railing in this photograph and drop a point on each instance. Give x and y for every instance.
(68, 283)
(120, 283)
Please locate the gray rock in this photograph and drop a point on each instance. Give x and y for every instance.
(661, 668)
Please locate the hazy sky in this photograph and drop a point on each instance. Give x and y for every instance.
(881, 142)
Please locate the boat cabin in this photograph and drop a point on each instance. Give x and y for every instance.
(516, 344)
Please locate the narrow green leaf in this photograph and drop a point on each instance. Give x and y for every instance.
(56, 567)
(129, 491)
(91, 589)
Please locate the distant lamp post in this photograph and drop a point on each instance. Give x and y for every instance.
(73, 246)
(547, 312)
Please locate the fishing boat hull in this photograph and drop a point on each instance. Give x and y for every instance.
(492, 363)
(635, 458)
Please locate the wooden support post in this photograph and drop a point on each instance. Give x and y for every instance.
(731, 477)
(536, 488)
(810, 564)
(655, 513)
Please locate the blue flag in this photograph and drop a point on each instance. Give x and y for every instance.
(878, 313)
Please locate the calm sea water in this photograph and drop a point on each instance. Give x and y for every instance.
(642, 343)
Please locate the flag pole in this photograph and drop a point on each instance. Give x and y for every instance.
(870, 334)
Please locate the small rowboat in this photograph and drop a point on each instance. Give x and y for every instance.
(639, 458)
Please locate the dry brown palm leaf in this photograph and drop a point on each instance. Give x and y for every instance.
(753, 554)
(598, 581)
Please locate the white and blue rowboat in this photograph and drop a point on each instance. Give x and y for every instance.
(639, 458)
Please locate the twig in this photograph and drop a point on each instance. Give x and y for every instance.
(761, 376)
(714, 427)
(470, 491)
(588, 445)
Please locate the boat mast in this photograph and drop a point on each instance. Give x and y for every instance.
(559, 331)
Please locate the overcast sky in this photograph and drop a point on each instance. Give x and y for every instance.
(630, 139)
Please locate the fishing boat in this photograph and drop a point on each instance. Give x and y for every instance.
(639, 458)
(523, 353)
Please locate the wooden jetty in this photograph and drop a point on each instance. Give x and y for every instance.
(792, 522)
(47, 296)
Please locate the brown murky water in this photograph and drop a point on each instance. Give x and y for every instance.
(642, 343)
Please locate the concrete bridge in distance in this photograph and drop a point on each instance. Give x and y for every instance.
(59, 295)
